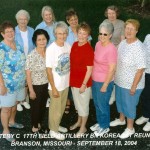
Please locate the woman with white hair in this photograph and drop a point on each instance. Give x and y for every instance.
(105, 59)
(48, 22)
(58, 71)
(23, 35)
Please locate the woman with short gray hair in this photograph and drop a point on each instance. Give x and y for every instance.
(105, 60)
(23, 35)
(58, 71)
(48, 22)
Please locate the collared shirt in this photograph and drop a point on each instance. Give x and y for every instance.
(12, 64)
(71, 38)
(19, 38)
(36, 64)
(131, 57)
(49, 30)
(147, 50)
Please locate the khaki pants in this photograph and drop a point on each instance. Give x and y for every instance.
(56, 109)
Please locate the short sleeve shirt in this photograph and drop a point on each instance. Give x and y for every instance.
(131, 57)
(147, 50)
(80, 58)
(58, 59)
(36, 64)
(103, 57)
(12, 67)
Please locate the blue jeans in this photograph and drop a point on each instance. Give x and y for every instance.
(101, 102)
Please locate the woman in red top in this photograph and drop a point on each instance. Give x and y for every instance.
(81, 63)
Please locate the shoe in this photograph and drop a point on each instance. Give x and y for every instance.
(127, 133)
(57, 135)
(147, 127)
(16, 125)
(80, 134)
(141, 120)
(101, 131)
(19, 107)
(117, 122)
(9, 137)
(26, 105)
(48, 101)
(74, 126)
(95, 127)
(62, 129)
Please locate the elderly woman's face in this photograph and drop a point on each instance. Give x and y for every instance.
(104, 36)
(130, 31)
(8, 34)
(112, 16)
(73, 21)
(82, 36)
(60, 35)
(47, 17)
(22, 21)
(41, 41)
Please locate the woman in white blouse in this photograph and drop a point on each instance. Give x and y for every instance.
(129, 77)
(37, 78)
(145, 96)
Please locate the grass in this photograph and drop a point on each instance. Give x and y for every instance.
(91, 11)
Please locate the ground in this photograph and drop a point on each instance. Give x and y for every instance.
(138, 141)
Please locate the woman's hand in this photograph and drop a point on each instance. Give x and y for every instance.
(103, 88)
(132, 90)
(32, 95)
(82, 88)
(55, 93)
(3, 90)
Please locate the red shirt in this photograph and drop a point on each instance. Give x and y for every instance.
(80, 58)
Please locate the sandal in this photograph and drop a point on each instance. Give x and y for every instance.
(67, 109)
(16, 125)
(10, 138)
(73, 127)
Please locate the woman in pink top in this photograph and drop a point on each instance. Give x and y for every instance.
(105, 59)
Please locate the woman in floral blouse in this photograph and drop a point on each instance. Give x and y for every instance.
(37, 78)
(12, 78)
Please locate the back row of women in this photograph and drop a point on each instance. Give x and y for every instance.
(56, 57)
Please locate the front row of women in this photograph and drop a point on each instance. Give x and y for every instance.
(59, 58)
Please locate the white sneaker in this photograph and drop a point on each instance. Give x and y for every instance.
(48, 101)
(95, 127)
(101, 131)
(26, 105)
(19, 107)
(57, 135)
(62, 129)
(147, 127)
(127, 133)
(117, 122)
(141, 120)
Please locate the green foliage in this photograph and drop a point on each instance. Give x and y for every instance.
(91, 11)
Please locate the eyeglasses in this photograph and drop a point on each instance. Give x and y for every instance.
(103, 34)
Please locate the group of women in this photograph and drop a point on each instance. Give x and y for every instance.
(54, 57)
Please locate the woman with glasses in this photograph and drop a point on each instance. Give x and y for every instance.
(23, 35)
(112, 12)
(129, 77)
(105, 58)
